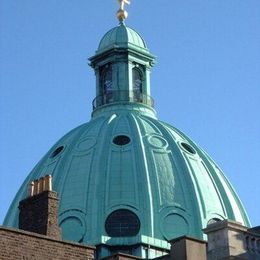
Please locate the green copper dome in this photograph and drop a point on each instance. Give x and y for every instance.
(158, 173)
(126, 179)
(122, 37)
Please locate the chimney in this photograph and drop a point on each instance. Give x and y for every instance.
(188, 248)
(39, 211)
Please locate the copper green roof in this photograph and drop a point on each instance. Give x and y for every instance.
(126, 159)
(122, 36)
(162, 176)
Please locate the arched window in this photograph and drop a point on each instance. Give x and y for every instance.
(106, 80)
(137, 83)
(106, 91)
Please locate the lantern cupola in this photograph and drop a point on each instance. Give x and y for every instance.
(122, 65)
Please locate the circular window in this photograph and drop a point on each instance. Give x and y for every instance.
(122, 223)
(57, 151)
(121, 140)
(188, 148)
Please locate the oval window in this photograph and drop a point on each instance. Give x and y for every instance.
(122, 223)
(57, 151)
(188, 148)
(121, 140)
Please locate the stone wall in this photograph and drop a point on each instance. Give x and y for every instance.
(18, 244)
(188, 248)
(121, 256)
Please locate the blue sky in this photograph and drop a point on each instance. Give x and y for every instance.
(205, 82)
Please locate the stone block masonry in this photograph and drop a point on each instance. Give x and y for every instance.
(121, 256)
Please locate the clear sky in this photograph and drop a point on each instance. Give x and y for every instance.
(205, 82)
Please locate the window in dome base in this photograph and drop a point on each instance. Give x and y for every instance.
(121, 140)
(57, 151)
(188, 148)
(122, 223)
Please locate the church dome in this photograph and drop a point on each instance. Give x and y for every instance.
(126, 159)
(126, 178)
(122, 36)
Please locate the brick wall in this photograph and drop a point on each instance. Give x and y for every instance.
(18, 244)
(39, 214)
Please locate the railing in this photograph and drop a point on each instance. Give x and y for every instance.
(122, 96)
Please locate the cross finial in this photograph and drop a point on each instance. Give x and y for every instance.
(121, 13)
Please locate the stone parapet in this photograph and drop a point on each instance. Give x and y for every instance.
(121, 256)
(227, 240)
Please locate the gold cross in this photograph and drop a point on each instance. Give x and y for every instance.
(122, 3)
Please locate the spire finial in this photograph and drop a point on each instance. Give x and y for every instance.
(121, 13)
